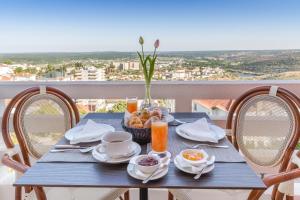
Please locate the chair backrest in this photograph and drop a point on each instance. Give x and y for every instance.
(265, 126)
(52, 110)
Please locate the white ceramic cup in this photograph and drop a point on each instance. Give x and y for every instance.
(164, 110)
(116, 143)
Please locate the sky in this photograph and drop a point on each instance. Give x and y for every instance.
(115, 25)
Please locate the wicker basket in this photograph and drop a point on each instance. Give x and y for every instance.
(139, 135)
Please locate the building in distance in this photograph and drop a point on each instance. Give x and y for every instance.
(90, 73)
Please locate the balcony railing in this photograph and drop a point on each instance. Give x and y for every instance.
(183, 92)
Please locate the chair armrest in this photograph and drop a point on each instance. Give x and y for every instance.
(281, 177)
(273, 180)
(10, 152)
(9, 162)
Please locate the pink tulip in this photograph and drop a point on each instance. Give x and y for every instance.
(156, 44)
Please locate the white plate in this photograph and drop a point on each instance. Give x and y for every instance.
(102, 157)
(69, 135)
(219, 131)
(169, 118)
(205, 171)
(132, 171)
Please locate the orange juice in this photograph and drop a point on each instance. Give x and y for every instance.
(132, 105)
(159, 136)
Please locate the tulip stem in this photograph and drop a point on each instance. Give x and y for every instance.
(154, 53)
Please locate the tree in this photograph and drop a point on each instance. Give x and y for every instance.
(78, 65)
(49, 71)
(63, 70)
(18, 70)
(31, 70)
(8, 62)
(49, 68)
(119, 107)
(201, 68)
(101, 110)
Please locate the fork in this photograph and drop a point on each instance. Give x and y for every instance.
(82, 150)
(208, 145)
(68, 146)
(179, 121)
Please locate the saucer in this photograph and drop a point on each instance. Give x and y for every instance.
(135, 173)
(104, 158)
(219, 131)
(188, 170)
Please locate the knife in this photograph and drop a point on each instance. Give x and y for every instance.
(68, 146)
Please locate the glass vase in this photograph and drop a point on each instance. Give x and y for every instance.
(147, 102)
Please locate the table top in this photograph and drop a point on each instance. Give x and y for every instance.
(234, 175)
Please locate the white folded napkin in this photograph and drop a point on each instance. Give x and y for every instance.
(89, 131)
(127, 116)
(182, 163)
(200, 130)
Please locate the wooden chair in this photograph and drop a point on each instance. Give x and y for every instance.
(40, 105)
(264, 126)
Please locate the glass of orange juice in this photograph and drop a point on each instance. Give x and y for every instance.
(159, 136)
(131, 104)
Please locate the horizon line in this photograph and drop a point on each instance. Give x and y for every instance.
(166, 51)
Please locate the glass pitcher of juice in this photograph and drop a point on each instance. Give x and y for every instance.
(132, 105)
(159, 136)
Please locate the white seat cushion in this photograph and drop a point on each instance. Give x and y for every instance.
(215, 194)
(80, 193)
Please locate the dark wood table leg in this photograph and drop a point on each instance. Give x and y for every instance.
(143, 193)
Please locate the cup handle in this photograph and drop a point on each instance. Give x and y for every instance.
(169, 110)
(102, 148)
